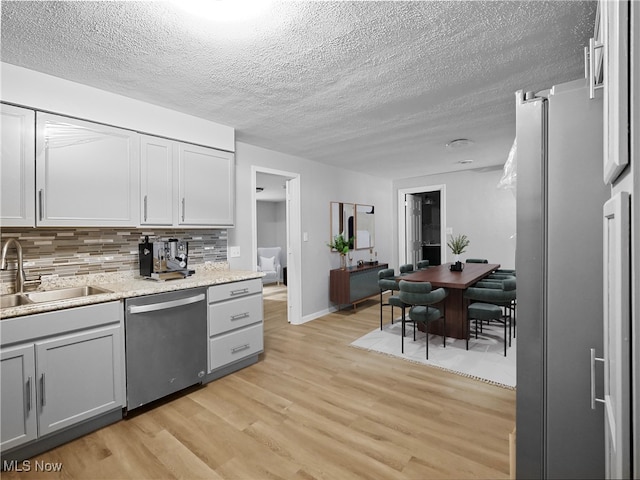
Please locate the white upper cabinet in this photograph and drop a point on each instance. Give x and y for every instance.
(87, 174)
(206, 186)
(17, 164)
(185, 185)
(158, 171)
(617, 59)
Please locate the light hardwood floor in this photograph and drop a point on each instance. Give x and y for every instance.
(312, 407)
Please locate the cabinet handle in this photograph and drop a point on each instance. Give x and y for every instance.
(145, 208)
(183, 209)
(28, 394)
(239, 316)
(240, 348)
(239, 292)
(593, 86)
(594, 359)
(44, 398)
(41, 203)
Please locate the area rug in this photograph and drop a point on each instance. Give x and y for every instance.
(484, 360)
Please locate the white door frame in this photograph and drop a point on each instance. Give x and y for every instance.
(294, 243)
(402, 227)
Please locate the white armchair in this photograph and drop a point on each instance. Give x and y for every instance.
(269, 263)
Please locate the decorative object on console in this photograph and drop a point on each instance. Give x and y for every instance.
(341, 245)
(457, 245)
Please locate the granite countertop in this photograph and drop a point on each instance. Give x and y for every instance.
(125, 285)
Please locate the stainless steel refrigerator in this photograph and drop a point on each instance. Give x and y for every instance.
(560, 194)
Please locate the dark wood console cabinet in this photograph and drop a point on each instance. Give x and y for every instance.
(354, 284)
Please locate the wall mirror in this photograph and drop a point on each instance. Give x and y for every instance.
(343, 220)
(365, 226)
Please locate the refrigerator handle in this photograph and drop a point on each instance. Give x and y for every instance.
(594, 399)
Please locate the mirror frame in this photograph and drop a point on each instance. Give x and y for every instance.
(365, 222)
(340, 212)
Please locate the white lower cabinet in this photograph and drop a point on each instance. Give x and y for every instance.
(79, 377)
(68, 375)
(17, 370)
(235, 323)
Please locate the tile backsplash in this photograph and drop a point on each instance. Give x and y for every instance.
(80, 251)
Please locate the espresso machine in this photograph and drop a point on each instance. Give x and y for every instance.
(164, 260)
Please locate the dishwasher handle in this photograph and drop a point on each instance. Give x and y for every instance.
(164, 305)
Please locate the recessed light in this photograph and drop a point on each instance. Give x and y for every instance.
(459, 143)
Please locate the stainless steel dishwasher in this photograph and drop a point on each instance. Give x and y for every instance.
(166, 344)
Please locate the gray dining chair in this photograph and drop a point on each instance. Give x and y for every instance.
(386, 282)
(420, 298)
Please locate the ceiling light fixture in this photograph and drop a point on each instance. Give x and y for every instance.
(464, 162)
(459, 143)
(224, 10)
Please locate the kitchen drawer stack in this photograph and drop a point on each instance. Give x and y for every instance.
(235, 326)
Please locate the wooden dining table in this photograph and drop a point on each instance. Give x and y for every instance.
(456, 283)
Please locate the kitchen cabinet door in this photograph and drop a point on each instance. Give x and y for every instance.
(18, 395)
(206, 186)
(87, 174)
(156, 180)
(17, 191)
(79, 377)
(616, 87)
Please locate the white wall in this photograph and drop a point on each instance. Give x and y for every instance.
(319, 185)
(270, 223)
(474, 207)
(47, 93)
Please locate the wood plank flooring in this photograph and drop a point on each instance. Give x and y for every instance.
(312, 408)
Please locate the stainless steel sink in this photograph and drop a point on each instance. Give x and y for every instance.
(64, 294)
(13, 300)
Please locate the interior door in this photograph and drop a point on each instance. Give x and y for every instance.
(616, 320)
(413, 222)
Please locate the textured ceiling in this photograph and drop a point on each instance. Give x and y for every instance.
(377, 87)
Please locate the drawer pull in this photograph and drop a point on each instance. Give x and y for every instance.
(242, 291)
(240, 348)
(240, 316)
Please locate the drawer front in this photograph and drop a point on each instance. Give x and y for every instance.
(227, 291)
(232, 314)
(231, 347)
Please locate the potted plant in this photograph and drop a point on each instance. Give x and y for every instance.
(457, 245)
(341, 245)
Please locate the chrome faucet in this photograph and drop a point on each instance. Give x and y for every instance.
(20, 278)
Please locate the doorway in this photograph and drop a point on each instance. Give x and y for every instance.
(277, 193)
(421, 225)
